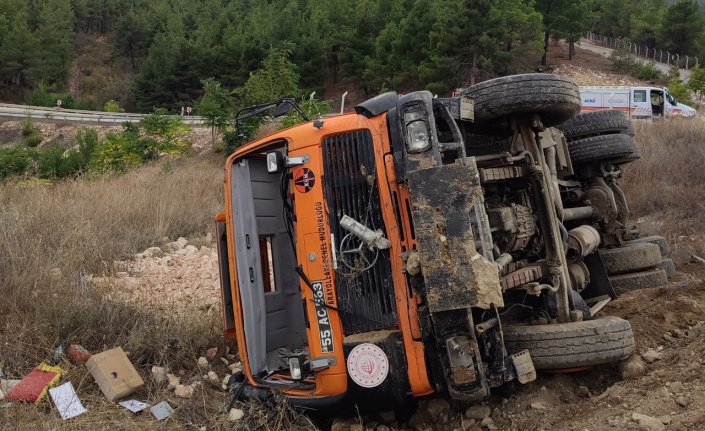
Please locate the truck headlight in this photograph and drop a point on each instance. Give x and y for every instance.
(417, 135)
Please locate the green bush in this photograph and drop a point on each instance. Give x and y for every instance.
(696, 83)
(118, 152)
(623, 61)
(646, 71)
(680, 91)
(112, 106)
(16, 161)
(27, 126)
(43, 97)
(33, 139)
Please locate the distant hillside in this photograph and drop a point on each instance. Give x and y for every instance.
(144, 55)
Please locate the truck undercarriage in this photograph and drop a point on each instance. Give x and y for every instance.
(424, 245)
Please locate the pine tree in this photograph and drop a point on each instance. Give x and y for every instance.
(55, 34)
(19, 57)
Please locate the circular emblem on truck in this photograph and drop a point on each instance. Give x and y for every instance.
(304, 180)
(368, 365)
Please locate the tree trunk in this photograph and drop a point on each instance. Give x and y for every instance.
(546, 37)
(571, 50)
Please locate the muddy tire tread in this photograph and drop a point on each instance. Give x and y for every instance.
(555, 98)
(575, 344)
(595, 123)
(601, 147)
(639, 280)
(630, 258)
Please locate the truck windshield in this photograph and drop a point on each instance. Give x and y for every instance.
(670, 98)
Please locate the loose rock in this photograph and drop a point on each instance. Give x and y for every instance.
(582, 392)
(224, 382)
(676, 387)
(681, 401)
(235, 415)
(159, 375)
(538, 405)
(647, 423)
(489, 424)
(202, 362)
(651, 356)
(213, 378)
(436, 407)
(478, 412)
(632, 368)
(183, 391)
(210, 353)
(174, 381)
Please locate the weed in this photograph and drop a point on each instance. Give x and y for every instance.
(668, 182)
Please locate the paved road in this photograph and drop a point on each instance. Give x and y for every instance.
(586, 44)
(73, 115)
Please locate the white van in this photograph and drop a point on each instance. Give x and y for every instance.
(638, 102)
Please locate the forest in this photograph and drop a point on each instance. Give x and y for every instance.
(139, 56)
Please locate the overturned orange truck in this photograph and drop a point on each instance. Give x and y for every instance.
(423, 245)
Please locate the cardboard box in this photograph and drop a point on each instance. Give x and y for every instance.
(114, 373)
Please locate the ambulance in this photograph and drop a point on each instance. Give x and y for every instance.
(638, 102)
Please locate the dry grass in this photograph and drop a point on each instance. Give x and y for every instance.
(53, 235)
(666, 187)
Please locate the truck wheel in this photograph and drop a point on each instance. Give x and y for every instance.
(638, 280)
(575, 344)
(555, 98)
(630, 258)
(653, 239)
(596, 123)
(601, 147)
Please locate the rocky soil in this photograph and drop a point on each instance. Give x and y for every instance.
(659, 388)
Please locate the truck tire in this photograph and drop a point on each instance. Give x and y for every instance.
(639, 280)
(575, 344)
(630, 258)
(601, 147)
(595, 123)
(555, 98)
(634, 156)
(653, 239)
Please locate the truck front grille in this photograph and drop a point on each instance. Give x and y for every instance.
(365, 298)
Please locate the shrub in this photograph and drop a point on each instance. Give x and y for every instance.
(680, 91)
(646, 71)
(16, 161)
(43, 97)
(112, 106)
(118, 152)
(33, 139)
(622, 61)
(28, 126)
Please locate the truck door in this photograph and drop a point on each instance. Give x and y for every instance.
(640, 104)
(657, 106)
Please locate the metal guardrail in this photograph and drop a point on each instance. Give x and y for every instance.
(75, 115)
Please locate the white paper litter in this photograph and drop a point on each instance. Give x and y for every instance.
(133, 405)
(67, 401)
